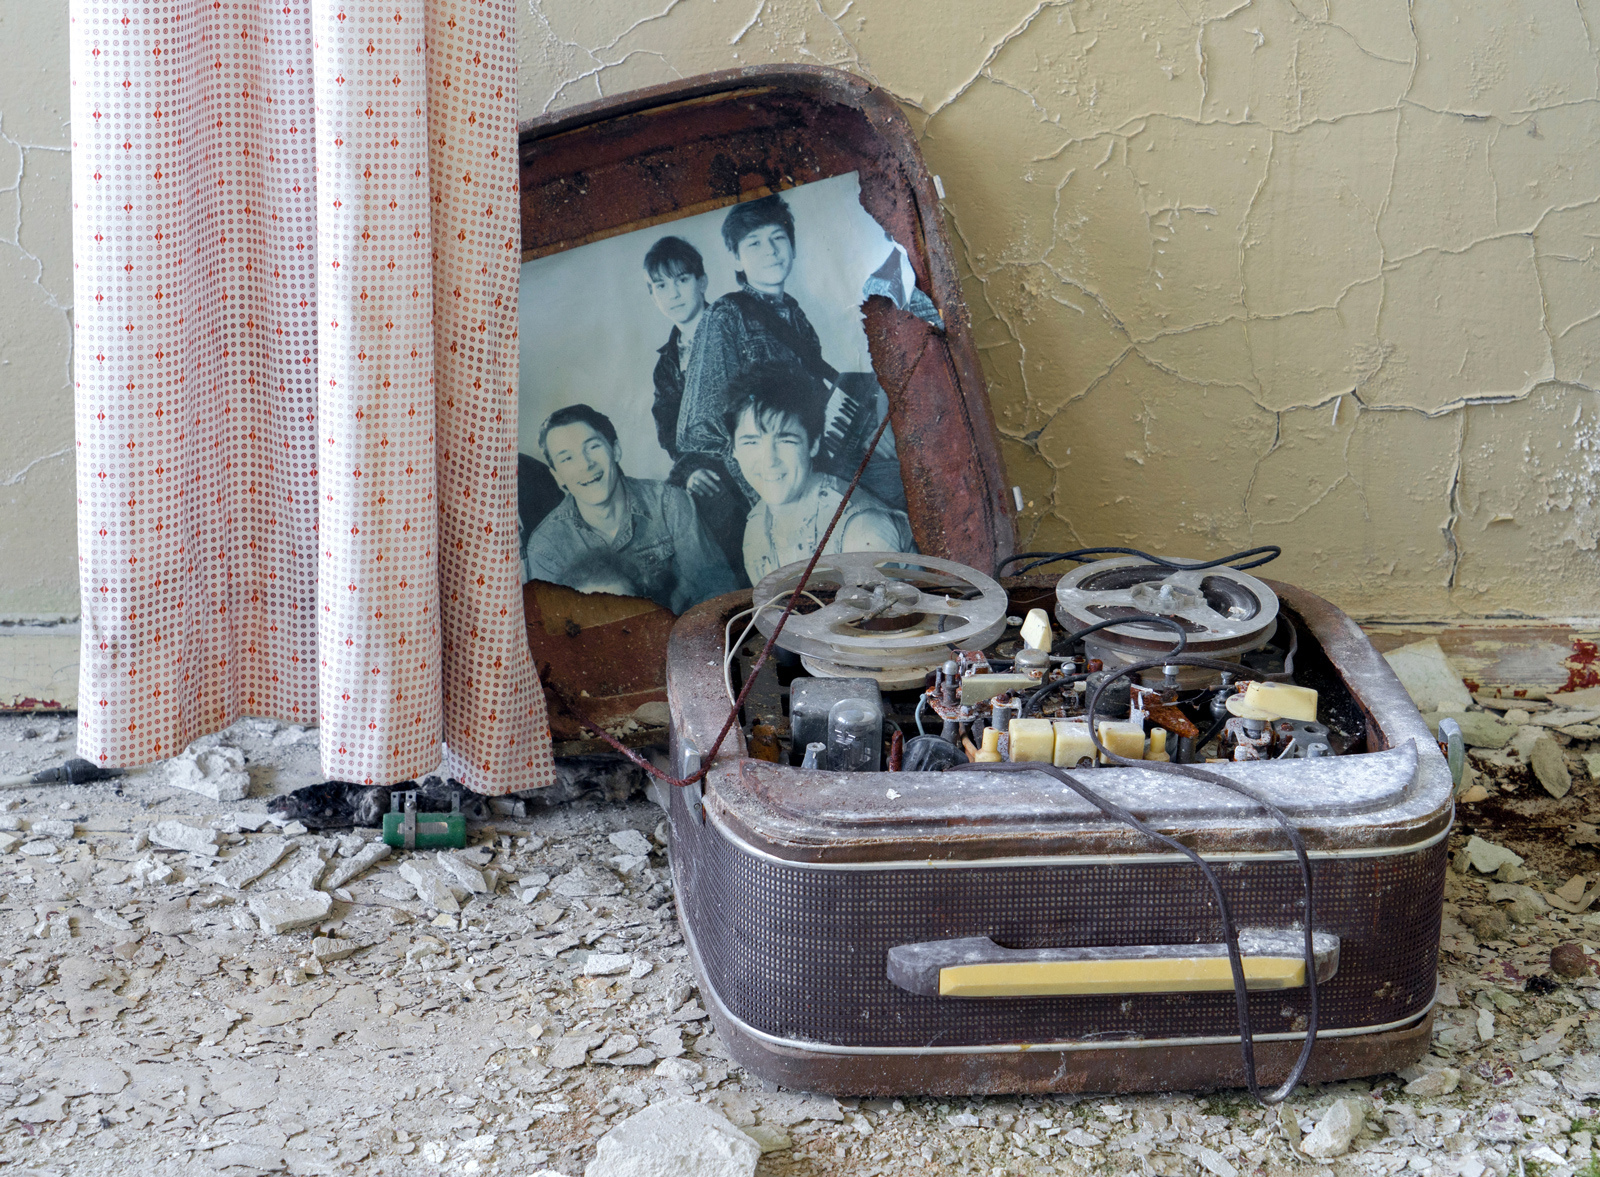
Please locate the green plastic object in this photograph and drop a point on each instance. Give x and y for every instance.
(410, 830)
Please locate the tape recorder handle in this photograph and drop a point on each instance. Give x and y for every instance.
(977, 967)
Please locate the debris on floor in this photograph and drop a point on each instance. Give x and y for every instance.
(1426, 674)
(195, 986)
(211, 769)
(678, 1138)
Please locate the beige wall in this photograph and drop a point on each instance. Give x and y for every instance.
(1190, 229)
(38, 504)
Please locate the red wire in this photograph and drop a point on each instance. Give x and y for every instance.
(733, 712)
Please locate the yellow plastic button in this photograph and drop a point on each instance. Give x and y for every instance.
(1275, 700)
(1032, 739)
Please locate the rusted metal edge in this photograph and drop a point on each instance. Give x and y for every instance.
(1110, 1069)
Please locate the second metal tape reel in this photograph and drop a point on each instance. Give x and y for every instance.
(1224, 612)
(894, 615)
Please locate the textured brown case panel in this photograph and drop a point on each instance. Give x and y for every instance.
(800, 953)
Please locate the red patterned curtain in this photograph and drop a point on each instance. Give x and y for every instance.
(296, 234)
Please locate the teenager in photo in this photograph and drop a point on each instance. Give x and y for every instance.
(612, 531)
(676, 276)
(776, 429)
(676, 279)
(756, 324)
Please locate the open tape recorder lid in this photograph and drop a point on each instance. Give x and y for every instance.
(653, 157)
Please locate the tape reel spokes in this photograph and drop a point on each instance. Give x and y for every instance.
(1223, 611)
(889, 610)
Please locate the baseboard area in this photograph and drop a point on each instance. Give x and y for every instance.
(1509, 657)
(38, 666)
(39, 661)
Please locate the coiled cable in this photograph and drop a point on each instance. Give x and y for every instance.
(1264, 555)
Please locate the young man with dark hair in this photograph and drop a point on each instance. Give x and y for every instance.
(753, 325)
(776, 428)
(752, 216)
(677, 285)
(676, 280)
(646, 530)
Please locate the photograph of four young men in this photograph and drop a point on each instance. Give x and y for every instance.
(680, 443)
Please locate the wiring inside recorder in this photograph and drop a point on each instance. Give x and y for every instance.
(1041, 688)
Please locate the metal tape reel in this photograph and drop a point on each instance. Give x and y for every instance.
(891, 610)
(1223, 610)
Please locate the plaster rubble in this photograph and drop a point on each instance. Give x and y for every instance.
(155, 1026)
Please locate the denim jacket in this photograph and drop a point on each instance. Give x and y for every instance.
(661, 550)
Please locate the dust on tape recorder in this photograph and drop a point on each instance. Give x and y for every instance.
(1154, 824)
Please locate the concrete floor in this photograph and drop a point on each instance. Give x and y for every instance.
(148, 1024)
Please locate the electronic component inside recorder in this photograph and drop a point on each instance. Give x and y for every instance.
(905, 663)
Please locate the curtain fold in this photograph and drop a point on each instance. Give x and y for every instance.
(295, 232)
(493, 706)
(378, 592)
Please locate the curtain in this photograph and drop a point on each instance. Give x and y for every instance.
(296, 234)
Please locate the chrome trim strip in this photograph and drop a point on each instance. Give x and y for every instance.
(715, 819)
(707, 991)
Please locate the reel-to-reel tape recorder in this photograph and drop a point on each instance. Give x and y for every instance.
(955, 847)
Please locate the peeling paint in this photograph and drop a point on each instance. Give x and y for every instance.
(1583, 668)
(1188, 228)
(39, 666)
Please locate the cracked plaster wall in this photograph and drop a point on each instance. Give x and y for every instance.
(38, 500)
(1319, 273)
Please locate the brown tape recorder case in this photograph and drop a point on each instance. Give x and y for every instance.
(880, 890)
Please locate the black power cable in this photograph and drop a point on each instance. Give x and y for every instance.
(1224, 911)
(1230, 933)
(1265, 555)
(1032, 703)
(1211, 733)
(1287, 673)
(1246, 1040)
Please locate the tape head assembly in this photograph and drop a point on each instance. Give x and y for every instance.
(947, 645)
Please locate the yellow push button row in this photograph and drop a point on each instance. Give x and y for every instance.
(978, 967)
